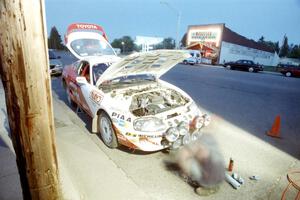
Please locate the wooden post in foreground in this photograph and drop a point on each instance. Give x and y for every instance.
(25, 76)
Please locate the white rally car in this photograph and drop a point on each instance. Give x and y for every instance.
(125, 98)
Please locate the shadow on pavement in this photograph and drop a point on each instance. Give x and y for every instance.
(3, 144)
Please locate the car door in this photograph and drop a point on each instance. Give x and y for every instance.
(251, 64)
(77, 88)
(296, 71)
(246, 64)
(90, 96)
(70, 74)
(239, 64)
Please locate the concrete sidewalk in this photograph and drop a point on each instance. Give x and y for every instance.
(10, 187)
(92, 174)
(86, 172)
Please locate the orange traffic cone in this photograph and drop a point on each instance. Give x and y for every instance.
(274, 131)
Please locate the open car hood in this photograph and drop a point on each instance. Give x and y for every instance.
(153, 63)
(87, 40)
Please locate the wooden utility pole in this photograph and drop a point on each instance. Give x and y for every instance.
(25, 76)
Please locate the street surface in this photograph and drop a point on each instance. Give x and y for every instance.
(243, 107)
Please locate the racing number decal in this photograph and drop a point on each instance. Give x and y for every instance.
(96, 97)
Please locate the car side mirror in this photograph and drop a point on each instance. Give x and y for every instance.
(81, 80)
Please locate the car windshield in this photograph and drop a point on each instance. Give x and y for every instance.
(98, 70)
(92, 47)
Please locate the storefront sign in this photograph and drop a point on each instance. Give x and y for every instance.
(204, 35)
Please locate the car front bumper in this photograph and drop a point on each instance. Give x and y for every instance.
(158, 141)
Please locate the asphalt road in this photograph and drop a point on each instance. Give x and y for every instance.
(250, 101)
(243, 107)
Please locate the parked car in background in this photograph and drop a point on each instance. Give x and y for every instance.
(190, 61)
(289, 70)
(194, 59)
(56, 66)
(248, 65)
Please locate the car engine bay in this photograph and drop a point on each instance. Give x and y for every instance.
(157, 101)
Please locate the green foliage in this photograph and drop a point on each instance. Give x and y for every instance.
(284, 49)
(273, 45)
(54, 41)
(261, 39)
(167, 43)
(276, 47)
(117, 43)
(183, 41)
(126, 44)
(294, 51)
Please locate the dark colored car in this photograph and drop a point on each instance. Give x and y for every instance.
(56, 66)
(248, 65)
(289, 70)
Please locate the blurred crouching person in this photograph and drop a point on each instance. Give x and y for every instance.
(202, 163)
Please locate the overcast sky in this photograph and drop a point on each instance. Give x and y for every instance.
(250, 18)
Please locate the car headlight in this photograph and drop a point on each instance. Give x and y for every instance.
(186, 139)
(149, 124)
(199, 122)
(183, 128)
(172, 134)
(176, 144)
(207, 119)
(196, 135)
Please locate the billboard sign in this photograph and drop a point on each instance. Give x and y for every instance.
(209, 36)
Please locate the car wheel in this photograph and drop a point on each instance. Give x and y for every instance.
(185, 62)
(228, 67)
(251, 69)
(69, 99)
(288, 74)
(107, 132)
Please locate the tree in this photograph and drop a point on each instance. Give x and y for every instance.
(55, 41)
(276, 47)
(183, 41)
(294, 51)
(273, 45)
(117, 43)
(261, 39)
(126, 44)
(167, 43)
(284, 49)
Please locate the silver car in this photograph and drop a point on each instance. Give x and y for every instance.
(56, 66)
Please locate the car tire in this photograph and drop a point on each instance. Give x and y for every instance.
(228, 67)
(185, 62)
(288, 74)
(251, 69)
(106, 131)
(69, 99)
